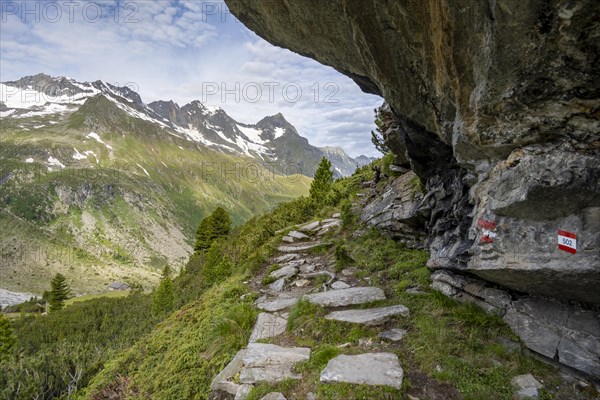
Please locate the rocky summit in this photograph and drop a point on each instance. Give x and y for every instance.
(493, 106)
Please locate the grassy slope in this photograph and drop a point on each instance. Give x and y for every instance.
(128, 225)
(452, 349)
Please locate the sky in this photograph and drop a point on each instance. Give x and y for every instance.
(183, 51)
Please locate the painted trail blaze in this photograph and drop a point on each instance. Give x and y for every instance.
(567, 241)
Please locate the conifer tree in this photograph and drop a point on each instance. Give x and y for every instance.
(322, 181)
(214, 226)
(59, 292)
(377, 135)
(164, 298)
(7, 339)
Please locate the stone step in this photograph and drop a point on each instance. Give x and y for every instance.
(274, 396)
(298, 235)
(346, 297)
(284, 272)
(277, 304)
(369, 316)
(326, 227)
(310, 227)
(271, 363)
(277, 286)
(222, 380)
(366, 369)
(294, 248)
(285, 258)
(267, 326)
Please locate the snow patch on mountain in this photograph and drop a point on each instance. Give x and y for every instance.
(278, 132)
(95, 136)
(54, 162)
(252, 133)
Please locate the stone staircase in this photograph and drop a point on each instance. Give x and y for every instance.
(294, 270)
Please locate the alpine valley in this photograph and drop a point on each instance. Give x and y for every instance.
(100, 186)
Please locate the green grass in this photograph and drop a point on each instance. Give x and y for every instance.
(181, 356)
(78, 299)
(448, 342)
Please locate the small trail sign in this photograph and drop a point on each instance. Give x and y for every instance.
(567, 241)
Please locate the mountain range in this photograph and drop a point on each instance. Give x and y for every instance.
(102, 187)
(272, 141)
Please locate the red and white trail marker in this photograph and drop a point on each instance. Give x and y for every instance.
(567, 241)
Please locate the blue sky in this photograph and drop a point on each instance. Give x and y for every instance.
(183, 51)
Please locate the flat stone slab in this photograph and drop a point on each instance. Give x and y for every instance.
(298, 235)
(287, 239)
(329, 221)
(274, 396)
(294, 263)
(336, 215)
(285, 258)
(284, 272)
(267, 326)
(369, 316)
(243, 392)
(346, 297)
(527, 386)
(311, 226)
(393, 335)
(271, 363)
(300, 247)
(307, 268)
(277, 304)
(337, 285)
(364, 369)
(221, 381)
(277, 286)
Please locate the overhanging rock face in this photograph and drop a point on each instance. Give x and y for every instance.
(495, 106)
(477, 87)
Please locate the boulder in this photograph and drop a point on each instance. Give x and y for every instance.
(397, 211)
(368, 316)
(346, 297)
(364, 369)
